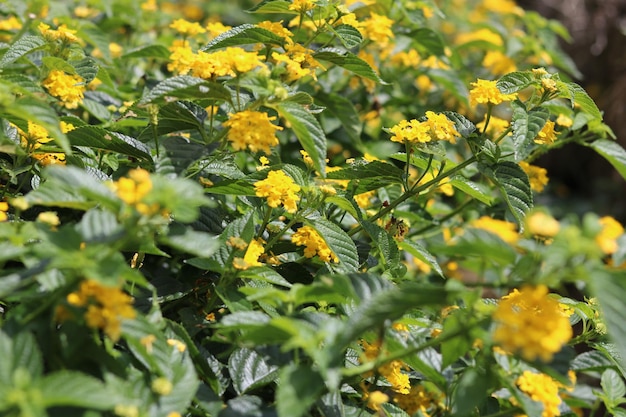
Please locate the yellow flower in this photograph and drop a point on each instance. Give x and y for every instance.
(35, 138)
(67, 88)
(313, 244)
(391, 371)
(106, 306)
(115, 49)
(364, 200)
(377, 28)
(302, 6)
(251, 257)
(444, 185)
(49, 217)
(563, 120)
(531, 323)
(177, 344)
(162, 386)
(435, 127)
(253, 130)
(539, 223)
(536, 175)
(486, 92)
(134, 188)
(418, 399)
(217, 28)
(485, 35)
(279, 189)
(409, 58)
(441, 128)
(607, 238)
(376, 399)
(4, 207)
(9, 24)
(541, 388)
(496, 126)
(276, 28)
(186, 28)
(62, 33)
(502, 228)
(498, 63)
(298, 60)
(149, 6)
(547, 135)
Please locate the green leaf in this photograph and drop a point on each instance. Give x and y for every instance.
(612, 152)
(299, 387)
(613, 385)
(348, 61)
(343, 109)
(461, 123)
(515, 189)
(86, 68)
(149, 51)
(386, 244)
(242, 35)
(75, 389)
(422, 254)
(98, 138)
(273, 6)
(430, 40)
(52, 63)
(454, 348)
(592, 360)
(471, 392)
(19, 351)
(515, 81)
(610, 290)
(475, 190)
(186, 87)
(349, 36)
(582, 99)
(340, 243)
(383, 171)
(249, 370)
(308, 131)
(99, 226)
(189, 241)
(526, 126)
(233, 187)
(23, 46)
(40, 112)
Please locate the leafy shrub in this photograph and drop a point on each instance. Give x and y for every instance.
(311, 208)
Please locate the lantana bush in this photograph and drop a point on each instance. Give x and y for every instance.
(300, 208)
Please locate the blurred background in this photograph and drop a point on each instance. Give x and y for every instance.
(581, 179)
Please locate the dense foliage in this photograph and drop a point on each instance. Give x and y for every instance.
(307, 208)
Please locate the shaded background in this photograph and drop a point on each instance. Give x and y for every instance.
(580, 180)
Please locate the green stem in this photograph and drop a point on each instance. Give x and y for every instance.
(412, 192)
(446, 217)
(266, 220)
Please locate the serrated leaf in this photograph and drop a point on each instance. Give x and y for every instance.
(21, 47)
(249, 370)
(98, 138)
(86, 68)
(186, 87)
(99, 226)
(348, 61)
(515, 81)
(41, 113)
(349, 36)
(473, 189)
(582, 99)
(613, 385)
(471, 392)
(339, 243)
(75, 389)
(234, 187)
(461, 123)
(149, 51)
(612, 152)
(526, 126)
(386, 244)
(55, 63)
(430, 40)
(273, 6)
(373, 169)
(515, 189)
(308, 131)
(242, 35)
(592, 360)
(299, 387)
(190, 241)
(422, 254)
(451, 82)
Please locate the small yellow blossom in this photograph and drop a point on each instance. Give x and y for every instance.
(565, 121)
(135, 187)
(217, 28)
(4, 207)
(174, 414)
(126, 410)
(496, 126)
(251, 257)
(147, 342)
(85, 12)
(531, 323)
(502, 228)
(66, 87)
(313, 244)
(106, 306)
(542, 224)
(377, 28)
(162, 386)
(484, 35)
(375, 399)
(49, 217)
(607, 238)
(418, 399)
(279, 189)
(149, 6)
(498, 63)
(435, 127)
(253, 130)
(536, 175)
(186, 28)
(9, 24)
(302, 6)
(115, 49)
(62, 33)
(177, 344)
(277, 28)
(541, 388)
(328, 189)
(298, 60)
(487, 92)
(547, 135)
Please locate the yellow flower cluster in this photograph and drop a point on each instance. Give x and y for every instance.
(187, 28)
(502, 228)
(62, 33)
(253, 130)
(487, 92)
(106, 306)
(279, 189)
(377, 28)
(69, 88)
(251, 257)
(134, 188)
(35, 138)
(4, 207)
(537, 176)
(435, 127)
(302, 6)
(531, 323)
(542, 224)
(418, 400)
(313, 244)
(498, 63)
(210, 65)
(541, 388)
(391, 371)
(607, 238)
(298, 60)
(547, 134)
